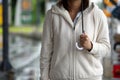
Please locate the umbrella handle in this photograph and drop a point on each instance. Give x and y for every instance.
(78, 47)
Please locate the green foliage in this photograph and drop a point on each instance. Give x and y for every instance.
(42, 10)
(42, 7)
(34, 11)
(21, 29)
(13, 10)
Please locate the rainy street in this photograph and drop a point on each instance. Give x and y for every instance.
(21, 30)
(24, 57)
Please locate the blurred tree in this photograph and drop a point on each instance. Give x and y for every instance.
(42, 9)
(38, 13)
(34, 8)
(42, 6)
(13, 2)
(34, 11)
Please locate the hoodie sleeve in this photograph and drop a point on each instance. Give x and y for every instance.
(47, 47)
(101, 47)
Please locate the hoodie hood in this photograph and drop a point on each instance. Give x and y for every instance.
(60, 10)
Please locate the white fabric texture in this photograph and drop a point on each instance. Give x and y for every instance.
(60, 59)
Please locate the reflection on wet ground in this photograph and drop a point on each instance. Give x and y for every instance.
(24, 57)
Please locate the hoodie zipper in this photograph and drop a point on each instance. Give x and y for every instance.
(73, 55)
(74, 41)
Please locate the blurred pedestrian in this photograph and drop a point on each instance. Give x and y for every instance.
(75, 39)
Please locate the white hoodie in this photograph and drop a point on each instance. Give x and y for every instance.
(60, 59)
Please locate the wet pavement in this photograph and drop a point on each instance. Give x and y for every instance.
(24, 56)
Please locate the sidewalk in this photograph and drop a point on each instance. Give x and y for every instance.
(107, 79)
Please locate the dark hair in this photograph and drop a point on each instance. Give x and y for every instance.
(66, 6)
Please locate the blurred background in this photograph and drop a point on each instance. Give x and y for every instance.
(21, 24)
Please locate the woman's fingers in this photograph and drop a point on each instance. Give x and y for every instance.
(85, 41)
(83, 37)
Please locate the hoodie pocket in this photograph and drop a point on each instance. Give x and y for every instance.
(97, 64)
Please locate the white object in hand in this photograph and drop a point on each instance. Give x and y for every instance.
(78, 47)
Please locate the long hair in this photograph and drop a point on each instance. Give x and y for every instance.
(66, 6)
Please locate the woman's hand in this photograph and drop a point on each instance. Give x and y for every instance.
(85, 42)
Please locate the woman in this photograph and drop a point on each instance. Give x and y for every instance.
(61, 58)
